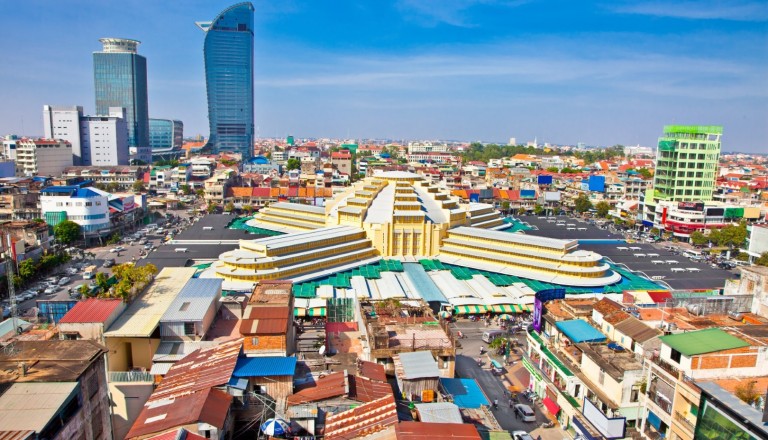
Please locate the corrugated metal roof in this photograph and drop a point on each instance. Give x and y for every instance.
(332, 385)
(637, 330)
(31, 405)
(421, 430)
(304, 411)
(194, 300)
(578, 330)
(466, 393)
(268, 312)
(265, 366)
(207, 406)
(416, 365)
(91, 310)
(703, 341)
(17, 435)
(143, 315)
(371, 370)
(201, 369)
(160, 369)
(366, 419)
(439, 412)
(366, 390)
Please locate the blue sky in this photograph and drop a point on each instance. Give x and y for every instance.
(602, 72)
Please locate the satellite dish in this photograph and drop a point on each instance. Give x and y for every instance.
(322, 350)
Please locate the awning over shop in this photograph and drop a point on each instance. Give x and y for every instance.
(507, 308)
(299, 311)
(654, 420)
(317, 311)
(469, 310)
(552, 407)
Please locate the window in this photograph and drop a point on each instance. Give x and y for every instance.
(255, 340)
(601, 377)
(675, 356)
(189, 329)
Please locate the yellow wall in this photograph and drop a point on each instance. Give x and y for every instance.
(141, 352)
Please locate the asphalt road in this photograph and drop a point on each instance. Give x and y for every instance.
(131, 253)
(492, 386)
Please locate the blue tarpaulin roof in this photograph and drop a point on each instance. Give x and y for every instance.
(466, 393)
(578, 330)
(265, 366)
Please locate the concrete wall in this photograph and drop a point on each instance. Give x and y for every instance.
(128, 399)
(128, 353)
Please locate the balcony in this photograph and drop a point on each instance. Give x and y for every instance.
(686, 423)
(662, 400)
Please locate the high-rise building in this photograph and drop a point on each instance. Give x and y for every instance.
(686, 168)
(228, 54)
(105, 139)
(686, 163)
(120, 78)
(96, 140)
(64, 123)
(42, 157)
(166, 137)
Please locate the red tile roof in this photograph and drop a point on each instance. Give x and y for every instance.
(366, 419)
(421, 430)
(209, 406)
(91, 310)
(203, 368)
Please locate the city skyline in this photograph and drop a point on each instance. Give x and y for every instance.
(459, 69)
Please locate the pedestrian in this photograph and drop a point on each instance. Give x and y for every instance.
(538, 437)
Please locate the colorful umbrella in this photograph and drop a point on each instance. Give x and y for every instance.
(506, 317)
(275, 427)
(445, 314)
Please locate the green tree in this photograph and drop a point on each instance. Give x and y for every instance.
(138, 186)
(293, 164)
(645, 172)
(211, 208)
(185, 189)
(568, 170)
(553, 169)
(200, 193)
(602, 208)
(762, 260)
(505, 206)
(248, 209)
(229, 207)
(27, 269)
(114, 239)
(698, 238)
(67, 231)
(112, 187)
(102, 281)
(582, 204)
(748, 392)
(521, 211)
(732, 236)
(84, 290)
(538, 209)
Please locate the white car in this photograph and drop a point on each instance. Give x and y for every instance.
(521, 435)
(525, 412)
(51, 290)
(64, 281)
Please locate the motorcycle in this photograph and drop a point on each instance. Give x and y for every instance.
(549, 424)
(479, 362)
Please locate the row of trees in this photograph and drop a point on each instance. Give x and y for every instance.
(478, 151)
(729, 236)
(128, 281)
(30, 269)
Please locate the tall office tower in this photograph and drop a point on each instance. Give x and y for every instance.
(64, 123)
(120, 77)
(228, 53)
(165, 137)
(686, 163)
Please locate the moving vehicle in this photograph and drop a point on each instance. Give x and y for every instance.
(490, 335)
(51, 290)
(108, 263)
(64, 281)
(90, 272)
(521, 435)
(525, 412)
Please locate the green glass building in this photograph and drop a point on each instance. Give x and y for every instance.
(686, 163)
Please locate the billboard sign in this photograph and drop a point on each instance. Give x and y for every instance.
(614, 428)
(597, 183)
(545, 180)
(527, 193)
(474, 197)
(541, 297)
(690, 206)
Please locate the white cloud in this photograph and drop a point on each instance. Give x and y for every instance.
(735, 10)
(430, 13)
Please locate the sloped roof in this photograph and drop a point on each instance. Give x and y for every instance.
(265, 366)
(209, 406)
(332, 385)
(366, 419)
(703, 341)
(605, 306)
(371, 370)
(439, 413)
(30, 406)
(366, 390)
(416, 365)
(578, 330)
(637, 330)
(91, 310)
(201, 369)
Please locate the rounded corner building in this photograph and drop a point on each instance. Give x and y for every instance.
(399, 215)
(228, 54)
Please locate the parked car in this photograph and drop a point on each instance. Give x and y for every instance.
(51, 290)
(20, 298)
(525, 412)
(148, 246)
(521, 435)
(109, 262)
(64, 281)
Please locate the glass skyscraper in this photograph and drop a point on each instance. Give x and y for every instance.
(228, 53)
(120, 79)
(165, 137)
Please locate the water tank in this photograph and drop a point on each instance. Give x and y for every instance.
(736, 316)
(694, 309)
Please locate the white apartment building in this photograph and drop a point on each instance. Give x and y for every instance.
(104, 139)
(427, 147)
(42, 157)
(88, 207)
(64, 123)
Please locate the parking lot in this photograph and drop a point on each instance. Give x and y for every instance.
(653, 260)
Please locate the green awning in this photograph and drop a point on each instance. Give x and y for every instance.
(316, 311)
(469, 310)
(531, 369)
(560, 366)
(299, 311)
